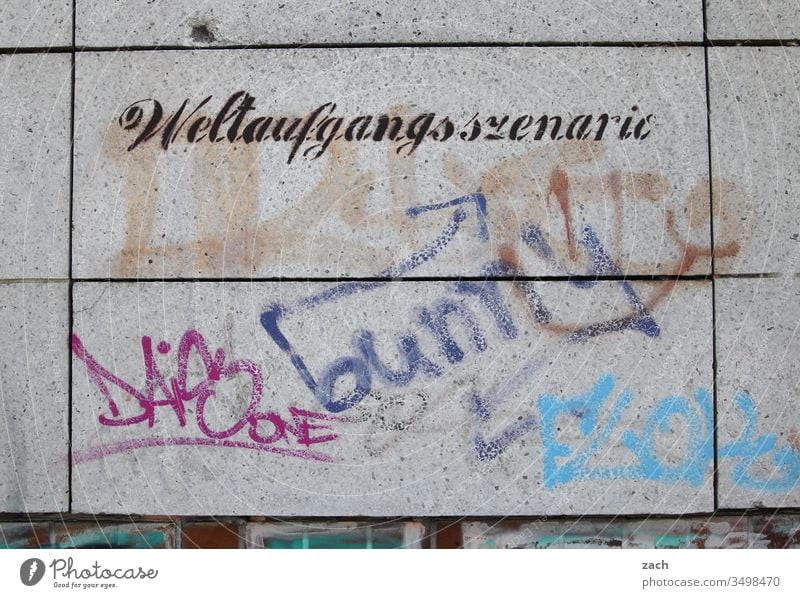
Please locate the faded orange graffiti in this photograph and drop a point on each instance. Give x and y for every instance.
(229, 232)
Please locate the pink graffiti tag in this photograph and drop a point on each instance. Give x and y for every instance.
(300, 425)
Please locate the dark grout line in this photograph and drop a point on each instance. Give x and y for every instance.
(346, 279)
(751, 42)
(410, 45)
(39, 50)
(70, 314)
(715, 473)
(166, 519)
(720, 43)
(406, 44)
(332, 280)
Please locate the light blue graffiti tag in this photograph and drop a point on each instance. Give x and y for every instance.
(747, 449)
(587, 407)
(700, 436)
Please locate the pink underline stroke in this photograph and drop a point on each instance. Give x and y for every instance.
(104, 450)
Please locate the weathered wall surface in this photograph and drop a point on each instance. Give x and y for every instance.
(432, 266)
(475, 424)
(329, 193)
(244, 22)
(43, 23)
(765, 20)
(34, 270)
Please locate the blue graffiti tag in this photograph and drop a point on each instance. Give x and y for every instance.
(747, 449)
(484, 406)
(600, 264)
(359, 365)
(600, 410)
(699, 419)
(365, 364)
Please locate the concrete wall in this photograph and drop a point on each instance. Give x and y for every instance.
(482, 260)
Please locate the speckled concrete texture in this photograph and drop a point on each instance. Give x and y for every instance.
(295, 274)
(747, 20)
(34, 461)
(244, 22)
(428, 398)
(755, 125)
(758, 381)
(35, 23)
(621, 157)
(34, 165)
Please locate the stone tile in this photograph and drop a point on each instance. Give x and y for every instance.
(189, 23)
(758, 380)
(522, 399)
(566, 203)
(544, 534)
(114, 535)
(33, 397)
(755, 125)
(338, 535)
(24, 535)
(43, 23)
(765, 19)
(34, 165)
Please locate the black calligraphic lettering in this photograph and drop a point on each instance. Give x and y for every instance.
(603, 121)
(417, 130)
(362, 122)
(383, 126)
(449, 129)
(249, 133)
(543, 122)
(247, 104)
(263, 129)
(585, 121)
(319, 128)
(199, 126)
(324, 136)
(301, 137)
(624, 133)
(132, 116)
(639, 132)
(174, 126)
(519, 125)
(498, 125)
(476, 129)
(223, 116)
(279, 133)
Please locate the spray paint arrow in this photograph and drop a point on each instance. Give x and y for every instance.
(479, 199)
